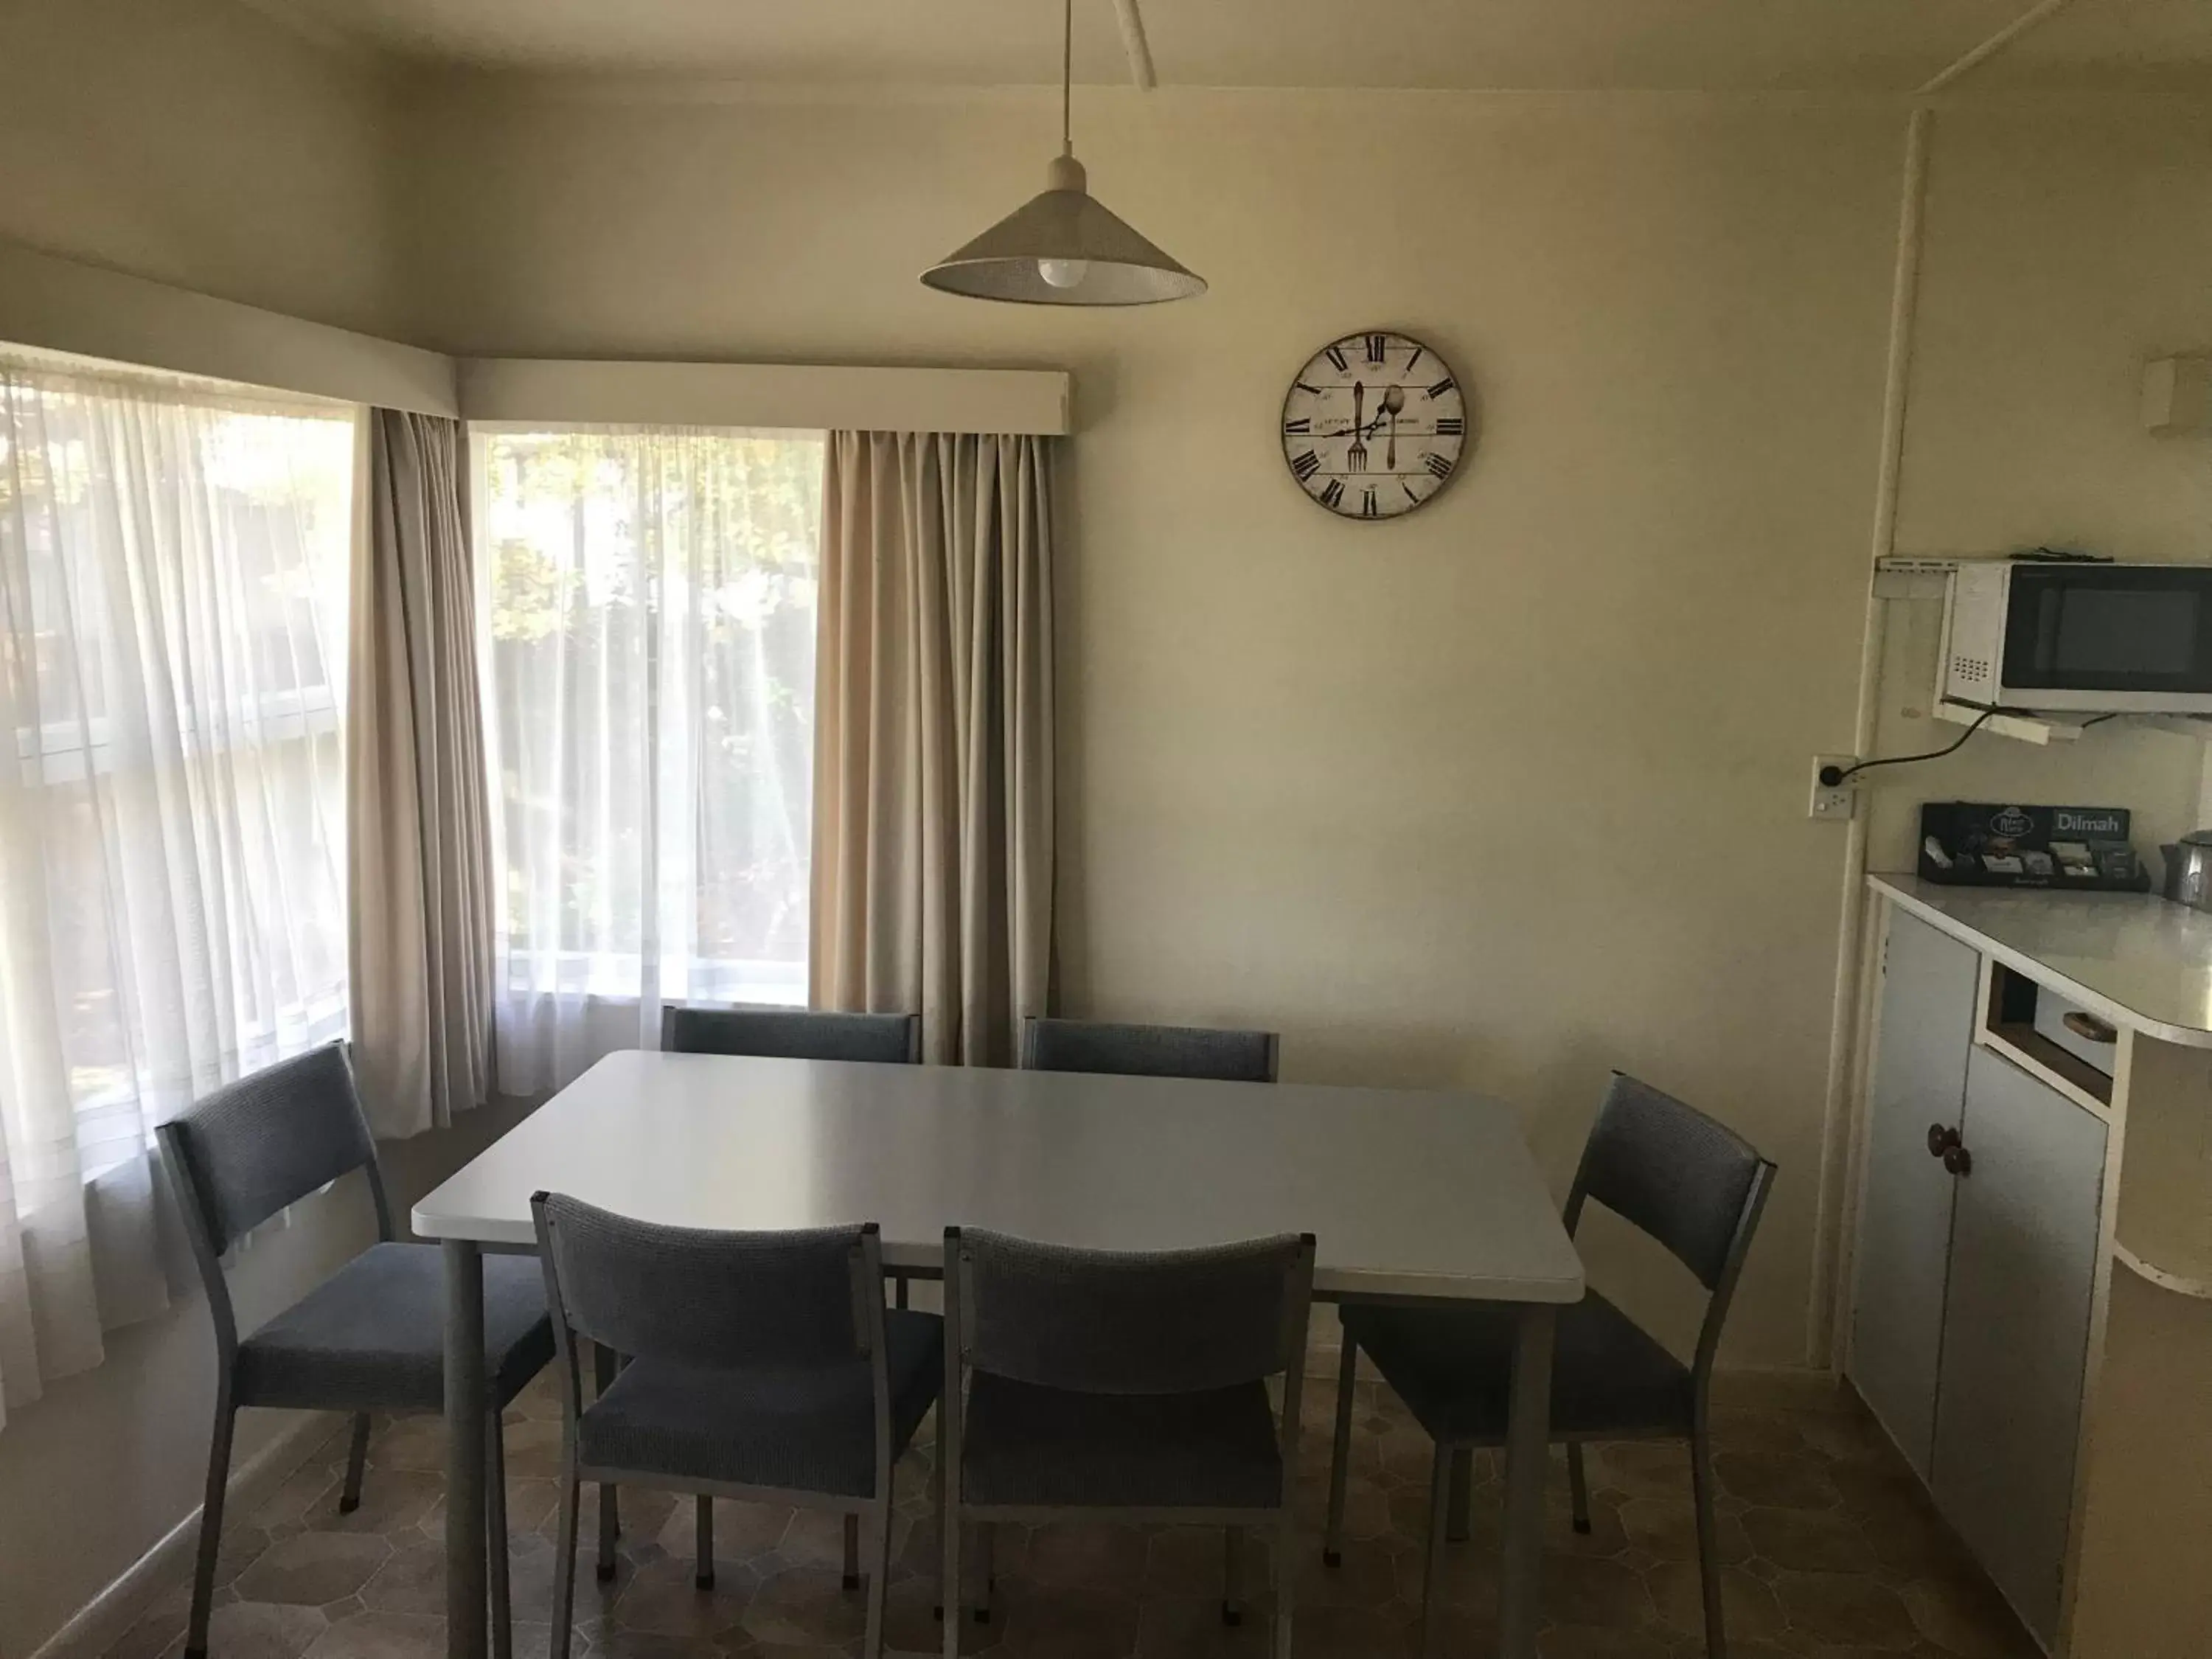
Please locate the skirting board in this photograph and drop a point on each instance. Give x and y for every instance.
(96, 1626)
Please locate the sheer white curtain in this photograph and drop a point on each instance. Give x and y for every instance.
(648, 599)
(172, 588)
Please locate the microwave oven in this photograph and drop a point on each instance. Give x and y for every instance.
(2054, 636)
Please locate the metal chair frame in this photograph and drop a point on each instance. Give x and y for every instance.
(954, 1512)
(1451, 1474)
(197, 1206)
(874, 1511)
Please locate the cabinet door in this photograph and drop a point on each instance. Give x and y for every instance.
(2016, 1329)
(1928, 988)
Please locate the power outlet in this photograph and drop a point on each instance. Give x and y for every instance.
(1839, 801)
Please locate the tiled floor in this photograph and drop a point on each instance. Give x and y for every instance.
(1832, 1552)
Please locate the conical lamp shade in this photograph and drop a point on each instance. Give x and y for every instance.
(1098, 258)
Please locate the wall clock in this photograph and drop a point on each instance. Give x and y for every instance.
(1373, 426)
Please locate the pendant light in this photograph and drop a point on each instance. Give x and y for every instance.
(1061, 247)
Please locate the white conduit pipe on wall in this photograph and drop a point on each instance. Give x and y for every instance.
(2035, 17)
(1849, 1017)
(1836, 1149)
(1133, 43)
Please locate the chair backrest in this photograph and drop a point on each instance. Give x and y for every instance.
(792, 1034)
(710, 1299)
(1076, 1045)
(1104, 1322)
(243, 1152)
(1693, 1184)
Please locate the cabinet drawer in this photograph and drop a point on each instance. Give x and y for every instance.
(2057, 1041)
(2089, 1037)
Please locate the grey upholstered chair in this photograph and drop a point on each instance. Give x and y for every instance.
(761, 1365)
(1692, 1185)
(369, 1338)
(780, 1034)
(1079, 1045)
(1131, 1385)
(792, 1034)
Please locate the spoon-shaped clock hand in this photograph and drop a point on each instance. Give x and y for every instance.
(1393, 401)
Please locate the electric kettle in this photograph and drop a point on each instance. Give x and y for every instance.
(2189, 869)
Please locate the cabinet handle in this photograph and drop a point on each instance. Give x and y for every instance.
(2089, 1028)
(1942, 1138)
(1959, 1161)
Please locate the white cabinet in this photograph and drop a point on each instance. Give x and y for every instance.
(1975, 1268)
(1927, 1031)
(2016, 1329)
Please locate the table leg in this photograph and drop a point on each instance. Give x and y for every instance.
(1461, 1504)
(466, 1427)
(1528, 1451)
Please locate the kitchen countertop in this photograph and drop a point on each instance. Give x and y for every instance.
(2135, 958)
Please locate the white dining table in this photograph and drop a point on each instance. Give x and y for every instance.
(1408, 1193)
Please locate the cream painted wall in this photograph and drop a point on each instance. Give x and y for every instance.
(196, 142)
(1500, 796)
(2067, 242)
(1512, 792)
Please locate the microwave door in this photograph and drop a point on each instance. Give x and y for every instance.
(2109, 637)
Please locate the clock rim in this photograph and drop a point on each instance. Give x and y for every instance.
(1291, 390)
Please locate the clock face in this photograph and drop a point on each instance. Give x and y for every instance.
(1373, 426)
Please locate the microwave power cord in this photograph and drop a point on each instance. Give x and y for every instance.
(1830, 776)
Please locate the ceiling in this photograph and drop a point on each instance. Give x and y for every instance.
(1623, 44)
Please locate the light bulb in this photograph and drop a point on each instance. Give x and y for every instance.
(1063, 273)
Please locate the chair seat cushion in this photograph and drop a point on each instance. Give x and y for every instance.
(1454, 1366)
(799, 1429)
(1026, 1444)
(372, 1336)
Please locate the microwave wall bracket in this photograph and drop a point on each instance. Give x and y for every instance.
(2039, 729)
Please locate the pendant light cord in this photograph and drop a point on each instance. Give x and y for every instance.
(1066, 76)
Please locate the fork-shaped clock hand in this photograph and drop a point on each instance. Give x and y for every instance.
(1355, 455)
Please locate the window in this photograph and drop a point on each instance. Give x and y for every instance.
(648, 607)
(173, 576)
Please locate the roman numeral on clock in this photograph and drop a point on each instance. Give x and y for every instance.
(1441, 387)
(1303, 387)
(1450, 426)
(1333, 493)
(1411, 361)
(1439, 464)
(1367, 507)
(1335, 356)
(1306, 464)
(1304, 423)
(1412, 494)
(1377, 346)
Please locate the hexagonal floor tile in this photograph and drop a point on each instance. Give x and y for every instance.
(662, 1599)
(804, 1604)
(1843, 1607)
(1813, 1540)
(383, 1636)
(391, 1500)
(1748, 1607)
(1777, 1480)
(312, 1568)
(263, 1630)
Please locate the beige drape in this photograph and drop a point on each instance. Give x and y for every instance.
(418, 842)
(932, 837)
